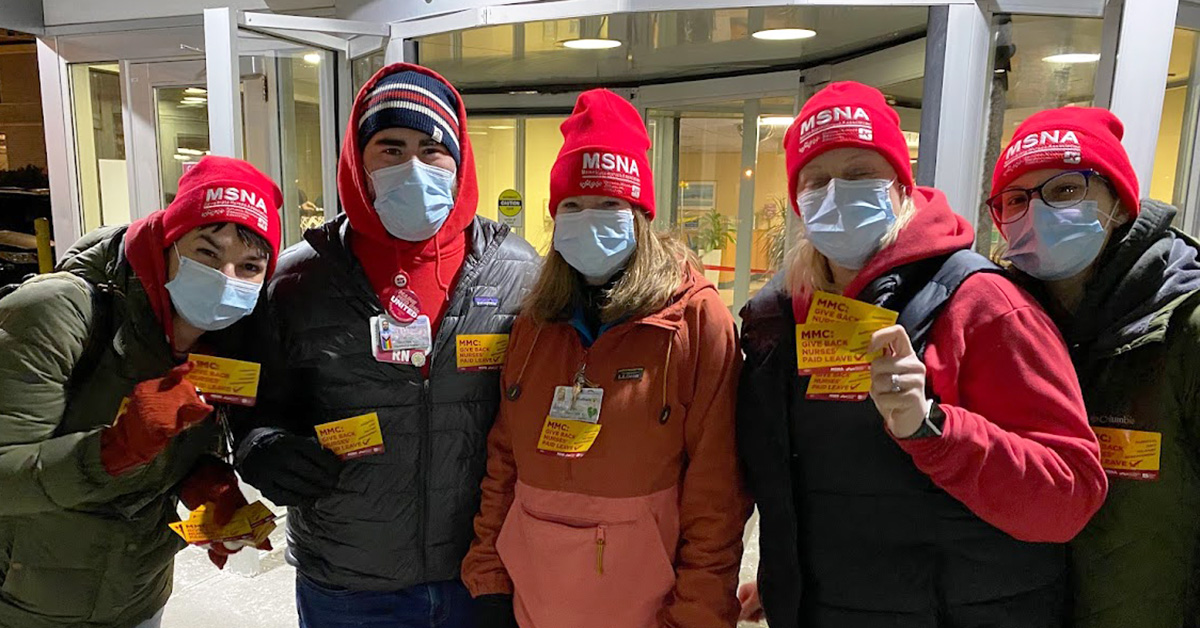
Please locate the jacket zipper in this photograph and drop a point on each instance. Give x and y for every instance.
(600, 542)
(426, 411)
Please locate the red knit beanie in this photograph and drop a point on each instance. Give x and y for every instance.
(222, 189)
(846, 115)
(1070, 138)
(603, 153)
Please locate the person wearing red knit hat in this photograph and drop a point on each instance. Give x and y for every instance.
(613, 495)
(948, 499)
(101, 433)
(1123, 286)
(397, 312)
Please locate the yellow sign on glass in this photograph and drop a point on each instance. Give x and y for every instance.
(567, 438)
(481, 352)
(352, 438)
(225, 380)
(1130, 454)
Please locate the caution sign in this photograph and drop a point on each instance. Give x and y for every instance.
(1130, 454)
(511, 211)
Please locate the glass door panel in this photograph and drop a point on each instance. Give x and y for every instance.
(182, 132)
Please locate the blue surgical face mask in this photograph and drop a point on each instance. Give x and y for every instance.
(413, 199)
(1051, 243)
(207, 298)
(847, 220)
(595, 242)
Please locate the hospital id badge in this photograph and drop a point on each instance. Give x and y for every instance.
(573, 424)
(577, 404)
(394, 342)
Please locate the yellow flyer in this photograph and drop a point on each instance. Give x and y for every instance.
(833, 308)
(1130, 454)
(225, 380)
(352, 438)
(481, 352)
(253, 522)
(566, 438)
(839, 386)
(823, 346)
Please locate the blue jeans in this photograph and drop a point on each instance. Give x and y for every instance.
(434, 605)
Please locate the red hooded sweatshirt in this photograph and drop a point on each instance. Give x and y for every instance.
(1016, 447)
(432, 265)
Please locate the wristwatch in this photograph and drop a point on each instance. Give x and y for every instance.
(935, 418)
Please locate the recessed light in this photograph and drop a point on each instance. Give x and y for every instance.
(189, 151)
(193, 100)
(1073, 57)
(502, 127)
(312, 58)
(196, 91)
(784, 34)
(591, 44)
(776, 121)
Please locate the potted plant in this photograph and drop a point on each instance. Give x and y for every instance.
(713, 234)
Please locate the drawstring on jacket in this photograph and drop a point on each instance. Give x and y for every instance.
(514, 392)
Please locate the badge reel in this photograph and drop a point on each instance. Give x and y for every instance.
(403, 335)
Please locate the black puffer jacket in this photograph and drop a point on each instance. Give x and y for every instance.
(403, 517)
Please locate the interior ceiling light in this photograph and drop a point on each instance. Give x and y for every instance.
(784, 34)
(196, 91)
(189, 151)
(312, 58)
(1073, 57)
(502, 127)
(776, 121)
(591, 44)
(193, 99)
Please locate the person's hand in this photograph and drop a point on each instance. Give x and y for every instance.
(291, 470)
(212, 482)
(752, 610)
(159, 410)
(898, 382)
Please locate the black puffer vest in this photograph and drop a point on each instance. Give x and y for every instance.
(847, 519)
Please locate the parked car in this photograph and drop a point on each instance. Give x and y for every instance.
(18, 244)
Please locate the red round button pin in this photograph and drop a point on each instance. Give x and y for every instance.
(402, 305)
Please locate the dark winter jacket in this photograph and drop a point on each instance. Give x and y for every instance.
(79, 547)
(859, 528)
(403, 517)
(1136, 347)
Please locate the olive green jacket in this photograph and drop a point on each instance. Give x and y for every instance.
(1136, 347)
(77, 546)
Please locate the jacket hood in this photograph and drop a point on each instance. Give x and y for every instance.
(934, 230)
(356, 198)
(1146, 266)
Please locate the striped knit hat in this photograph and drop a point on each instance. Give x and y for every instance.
(412, 100)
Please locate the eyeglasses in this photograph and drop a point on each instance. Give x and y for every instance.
(1060, 191)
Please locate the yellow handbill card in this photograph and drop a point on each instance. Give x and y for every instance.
(481, 352)
(352, 438)
(839, 386)
(833, 308)
(224, 379)
(822, 346)
(1130, 454)
(567, 438)
(254, 521)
